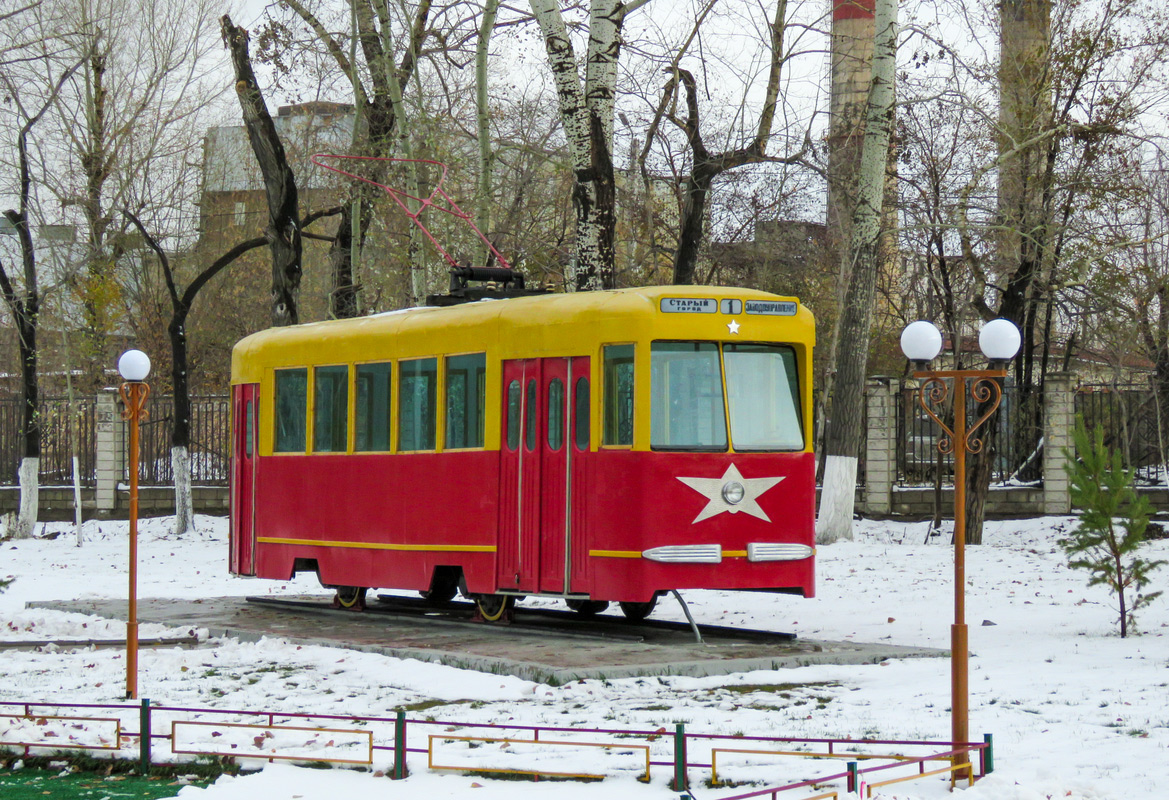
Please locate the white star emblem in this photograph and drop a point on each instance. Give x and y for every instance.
(733, 326)
(712, 490)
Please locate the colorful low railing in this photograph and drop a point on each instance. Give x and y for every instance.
(165, 734)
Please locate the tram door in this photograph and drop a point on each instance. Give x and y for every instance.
(536, 474)
(245, 405)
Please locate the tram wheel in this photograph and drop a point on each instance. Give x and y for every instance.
(350, 597)
(638, 611)
(587, 608)
(443, 587)
(494, 607)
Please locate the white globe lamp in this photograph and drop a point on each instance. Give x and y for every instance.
(134, 366)
(999, 340)
(921, 342)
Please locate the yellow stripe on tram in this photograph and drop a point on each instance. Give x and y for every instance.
(441, 548)
(615, 553)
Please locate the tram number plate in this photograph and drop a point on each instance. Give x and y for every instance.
(689, 305)
(771, 308)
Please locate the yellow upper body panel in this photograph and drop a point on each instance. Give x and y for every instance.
(525, 327)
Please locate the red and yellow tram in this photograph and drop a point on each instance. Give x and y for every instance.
(600, 446)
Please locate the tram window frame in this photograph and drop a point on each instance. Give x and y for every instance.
(581, 408)
(663, 404)
(417, 412)
(465, 379)
(331, 408)
(290, 401)
(619, 385)
(373, 409)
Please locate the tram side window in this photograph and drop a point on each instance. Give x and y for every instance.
(514, 409)
(686, 397)
(555, 414)
(373, 407)
(331, 409)
(466, 386)
(291, 409)
(618, 386)
(581, 409)
(417, 401)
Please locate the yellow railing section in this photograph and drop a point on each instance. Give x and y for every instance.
(537, 741)
(272, 755)
(52, 738)
(952, 769)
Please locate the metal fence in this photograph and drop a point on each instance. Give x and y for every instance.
(1133, 423)
(57, 447)
(210, 456)
(785, 766)
(1016, 446)
(210, 435)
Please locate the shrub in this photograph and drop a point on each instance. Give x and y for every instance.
(1113, 521)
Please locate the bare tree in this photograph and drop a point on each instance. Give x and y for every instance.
(23, 298)
(284, 226)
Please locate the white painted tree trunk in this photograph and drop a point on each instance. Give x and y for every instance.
(843, 437)
(837, 496)
(180, 461)
(30, 488)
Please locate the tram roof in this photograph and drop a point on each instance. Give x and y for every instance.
(527, 316)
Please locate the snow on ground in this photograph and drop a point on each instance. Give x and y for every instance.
(1076, 712)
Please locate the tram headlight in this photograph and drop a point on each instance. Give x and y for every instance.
(733, 492)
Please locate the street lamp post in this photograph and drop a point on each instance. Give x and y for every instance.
(133, 366)
(921, 342)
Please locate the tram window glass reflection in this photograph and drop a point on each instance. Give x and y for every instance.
(466, 383)
(581, 410)
(530, 414)
(686, 397)
(618, 387)
(330, 409)
(763, 389)
(514, 408)
(291, 409)
(373, 407)
(555, 414)
(417, 402)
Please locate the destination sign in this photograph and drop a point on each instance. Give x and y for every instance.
(689, 305)
(772, 308)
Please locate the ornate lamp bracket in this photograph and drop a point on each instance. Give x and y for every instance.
(134, 403)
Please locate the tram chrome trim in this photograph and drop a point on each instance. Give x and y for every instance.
(778, 551)
(685, 554)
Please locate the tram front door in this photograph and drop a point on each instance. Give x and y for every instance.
(542, 455)
(245, 404)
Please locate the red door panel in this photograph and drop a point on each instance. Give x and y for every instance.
(554, 474)
(245, 405)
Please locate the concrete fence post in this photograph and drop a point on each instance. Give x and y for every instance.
(1059, 422)
(108, 460)
(880, 445)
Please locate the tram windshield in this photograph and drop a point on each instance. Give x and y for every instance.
(687, 406)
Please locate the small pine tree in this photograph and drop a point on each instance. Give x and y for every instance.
(1113, 519)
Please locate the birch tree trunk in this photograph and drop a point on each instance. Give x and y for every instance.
(842, 440)
(586, 110)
